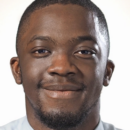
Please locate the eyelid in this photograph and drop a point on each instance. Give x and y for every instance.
(39, 50)
(83, 55)
(92, 52)
(86, 49)
(44, 52)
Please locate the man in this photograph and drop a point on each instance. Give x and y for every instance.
(63, 49)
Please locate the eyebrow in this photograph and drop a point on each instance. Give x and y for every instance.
(78, 39)
(42, 38)
(83, 38)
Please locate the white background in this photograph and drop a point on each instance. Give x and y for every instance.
(115, 99)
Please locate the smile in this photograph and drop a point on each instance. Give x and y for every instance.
(62, 94)
(62, 91)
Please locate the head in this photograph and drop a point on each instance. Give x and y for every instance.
(62, 62)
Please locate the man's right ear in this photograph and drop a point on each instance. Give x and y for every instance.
(15, 67)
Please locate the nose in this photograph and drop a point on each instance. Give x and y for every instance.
(62, 66)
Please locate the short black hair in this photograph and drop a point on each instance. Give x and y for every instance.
(37, 4)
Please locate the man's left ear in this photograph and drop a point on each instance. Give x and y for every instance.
(108, 73)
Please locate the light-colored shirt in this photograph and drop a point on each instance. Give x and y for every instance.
(23, 124)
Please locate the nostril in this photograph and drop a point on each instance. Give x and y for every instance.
(62, 74)
(71, 73)
(53, 73)
(62, 67)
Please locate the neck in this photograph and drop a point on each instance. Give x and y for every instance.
(90, 123)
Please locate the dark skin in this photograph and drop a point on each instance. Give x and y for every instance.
(64, 50)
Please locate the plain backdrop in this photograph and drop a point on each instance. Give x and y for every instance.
(115, 99)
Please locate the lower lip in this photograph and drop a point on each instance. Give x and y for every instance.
(62, 94)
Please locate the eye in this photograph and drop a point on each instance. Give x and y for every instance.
(85, 53)
(39, 53)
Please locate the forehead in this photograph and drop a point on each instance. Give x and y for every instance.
(63, 22)
(60, 18)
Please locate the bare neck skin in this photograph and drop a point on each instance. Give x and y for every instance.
(90, 123)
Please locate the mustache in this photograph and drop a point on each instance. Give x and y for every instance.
(61, 86)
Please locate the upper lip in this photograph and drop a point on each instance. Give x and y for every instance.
(63, 87)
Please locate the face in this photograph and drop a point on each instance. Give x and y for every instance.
(62, 61)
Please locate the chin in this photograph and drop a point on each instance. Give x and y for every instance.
(59, 119)
(62, 118)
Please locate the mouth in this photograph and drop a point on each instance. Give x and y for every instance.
(62, 91)
(62, 94)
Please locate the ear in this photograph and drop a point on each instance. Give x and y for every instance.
(14, 63)
(108, 73)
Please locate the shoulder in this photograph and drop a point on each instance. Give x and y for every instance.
(19, 124)
(107, 126)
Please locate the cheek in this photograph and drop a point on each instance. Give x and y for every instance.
(29, 78)
(33, 69)
(93, 79)
(32, 73)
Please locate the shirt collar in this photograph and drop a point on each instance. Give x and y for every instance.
(100, 126)
(27, 125)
